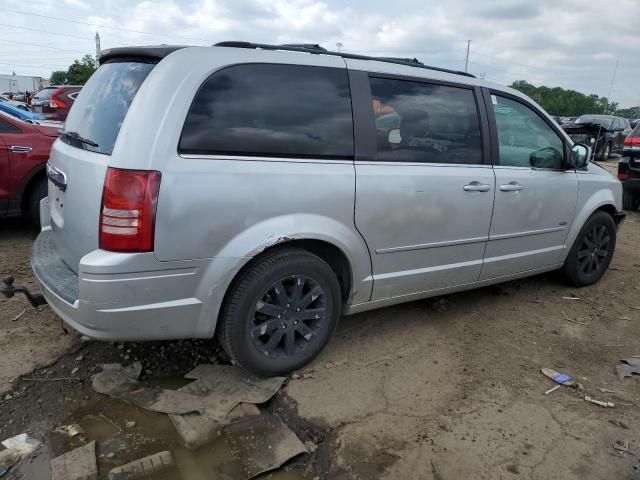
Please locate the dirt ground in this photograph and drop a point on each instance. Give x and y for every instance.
(454, 382)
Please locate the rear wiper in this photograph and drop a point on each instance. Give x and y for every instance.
(76, 136)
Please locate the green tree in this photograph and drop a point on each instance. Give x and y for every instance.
(80, 71)
(59, 77)
(560, 101)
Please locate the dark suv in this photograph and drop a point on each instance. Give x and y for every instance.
(54, 102)
(605, 133)
(629, 171)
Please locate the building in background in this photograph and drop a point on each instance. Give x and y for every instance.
(20, 83)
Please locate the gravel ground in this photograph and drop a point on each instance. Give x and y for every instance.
(455, 381)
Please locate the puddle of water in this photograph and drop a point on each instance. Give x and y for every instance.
(104, 420)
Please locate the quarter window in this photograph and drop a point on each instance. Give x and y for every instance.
(271, 110)
(6, 127)
(423, 122)
(524, 138)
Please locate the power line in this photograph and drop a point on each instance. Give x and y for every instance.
(44, 31)
(20, 12)
(41, 46)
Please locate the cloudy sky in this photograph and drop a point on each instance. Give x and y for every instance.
(568, 43)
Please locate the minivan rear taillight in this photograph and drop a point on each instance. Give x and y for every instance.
(128, 210)
(623, 171)
(54, 101)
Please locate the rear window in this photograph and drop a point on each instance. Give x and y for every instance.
(100, 108)
(45, 94)
(271, 110)
(636, 130)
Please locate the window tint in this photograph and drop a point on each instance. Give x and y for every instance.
(98, 113)
(263, 109)
(6, 127)
(525, 139)
(422, 122)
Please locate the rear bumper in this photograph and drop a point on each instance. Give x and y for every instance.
(127, 296)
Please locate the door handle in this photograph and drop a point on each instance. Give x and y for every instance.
(511, 187)
(476, 187)
(19, 149)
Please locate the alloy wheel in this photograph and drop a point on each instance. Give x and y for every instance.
(287, 316)
(594, 250)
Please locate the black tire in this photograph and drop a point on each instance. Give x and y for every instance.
(630, 201)
(293, 284)
(592, 251)
(37, 193)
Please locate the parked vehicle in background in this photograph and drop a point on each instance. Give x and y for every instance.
(15, 103)
(330, 206)
(557, 119)
(629, 170)
(567, 121)
(634, 123)
(605, 133)
(24, 151)
(54, 103)
(19, 113)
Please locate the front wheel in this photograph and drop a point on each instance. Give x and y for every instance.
(280, 313)
(592, 251)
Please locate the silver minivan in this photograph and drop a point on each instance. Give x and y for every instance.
(259, 192)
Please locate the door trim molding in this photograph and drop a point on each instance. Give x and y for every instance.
(422, 246)
(542, 231)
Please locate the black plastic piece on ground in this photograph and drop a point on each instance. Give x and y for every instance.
(9, 290)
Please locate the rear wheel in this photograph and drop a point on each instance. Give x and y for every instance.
(37, 193)
(592, 251)
(630, 201)
(280, 313)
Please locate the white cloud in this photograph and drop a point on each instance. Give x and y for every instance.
(573, 43)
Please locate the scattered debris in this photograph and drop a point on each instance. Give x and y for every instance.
(619, 423)
(75, 370)
(599, 402)
(18, 316)
(571, 298)
(262, 443)
(143, 467)
(628, 367)
(569, 319)
(130, 424)
(22, 444)
(78, 464)
(553, 389)
(621, 446)
(70, 430)
(624, 318)
(8, 458)
(560, 378)
(79, 358)
(436, 473)
(614, 345)
(132, 371)
(196, 430)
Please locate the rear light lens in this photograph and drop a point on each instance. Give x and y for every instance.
(623, 170)
(632, 142)
(128, 210)
(55, 102)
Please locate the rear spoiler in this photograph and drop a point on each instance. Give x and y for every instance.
(153, 53)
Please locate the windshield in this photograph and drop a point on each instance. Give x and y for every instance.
(101, 106)
(602, 121)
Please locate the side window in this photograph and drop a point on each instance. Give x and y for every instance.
(524, 138)
(423, 122)
(267, 109)
(6, 127)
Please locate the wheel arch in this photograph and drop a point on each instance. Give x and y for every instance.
(27, 184)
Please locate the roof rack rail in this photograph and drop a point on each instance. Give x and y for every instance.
(318, 50)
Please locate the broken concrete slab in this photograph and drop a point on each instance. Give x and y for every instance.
(262, 443)
(8, 458)
(197, 430)
(235, 384)
(134, 370)
(78, 464)
(118, 385)
(22, 444)
(143, 467)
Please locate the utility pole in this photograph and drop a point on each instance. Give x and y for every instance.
(97, 46)
(466, 62)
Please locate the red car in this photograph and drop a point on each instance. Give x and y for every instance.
(54, 102)
(24, 151)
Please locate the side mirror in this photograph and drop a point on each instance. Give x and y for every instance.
(580, 156)
(394, 136)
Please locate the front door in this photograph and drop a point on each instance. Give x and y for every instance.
(424, 201)
(535, 196)
(5, 180)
